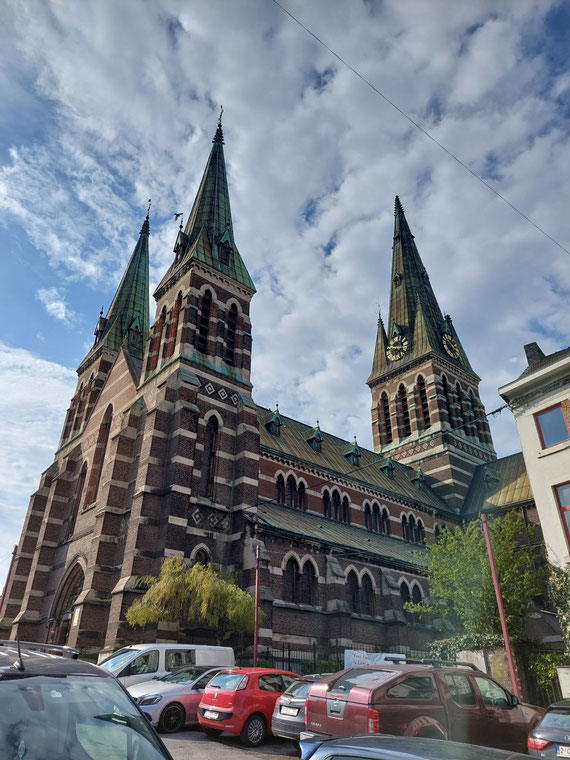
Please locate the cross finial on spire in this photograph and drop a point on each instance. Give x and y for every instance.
(148, 209)
(219, 136)
(220, 116)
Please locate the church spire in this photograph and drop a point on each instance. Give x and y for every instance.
(416, 325)
(127, 320)
(209, 236)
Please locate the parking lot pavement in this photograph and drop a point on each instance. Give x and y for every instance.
(195, 745)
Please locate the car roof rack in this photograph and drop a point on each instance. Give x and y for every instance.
(35, 646)
(402, 659)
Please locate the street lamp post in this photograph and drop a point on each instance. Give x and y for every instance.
(256, 623)
(502, 617)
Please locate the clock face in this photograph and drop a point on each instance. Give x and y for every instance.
(397, 347)
(450, 345)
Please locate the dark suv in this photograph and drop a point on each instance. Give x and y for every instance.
(55, 706)
(429, 698)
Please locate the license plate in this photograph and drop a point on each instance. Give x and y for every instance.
(562, 751)
(211, 714)
(289, 710)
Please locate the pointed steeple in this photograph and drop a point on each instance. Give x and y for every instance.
(127, 320)
(209, 235)
(416, 325)
(379, 360)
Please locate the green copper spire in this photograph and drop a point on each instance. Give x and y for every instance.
(127, 321)
(209, 235)
(416, 325)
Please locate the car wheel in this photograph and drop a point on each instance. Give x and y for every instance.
(254, 731)
(212, 732)
(172, 718)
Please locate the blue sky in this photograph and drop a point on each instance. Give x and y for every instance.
(107, 104)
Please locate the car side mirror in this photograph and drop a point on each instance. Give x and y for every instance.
(515, 701)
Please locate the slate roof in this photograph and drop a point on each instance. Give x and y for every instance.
(293, 442)
(293, 522)
(498, 485)
(210, 223)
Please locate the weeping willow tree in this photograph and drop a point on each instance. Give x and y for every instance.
(199, 594)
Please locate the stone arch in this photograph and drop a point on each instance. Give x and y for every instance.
(309, 580)
(287, 557)
(196, 551)
(313, 562)
(70, 587)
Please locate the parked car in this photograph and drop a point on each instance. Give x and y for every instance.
(241, 701)
(288, 718)
(60, 707)
(171, 702)
(431, 699)
(551, 737)
(397, 748)
(141, 662)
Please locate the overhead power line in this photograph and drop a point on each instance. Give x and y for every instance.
(421, 129)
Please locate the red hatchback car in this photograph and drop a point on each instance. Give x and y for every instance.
(241, 701)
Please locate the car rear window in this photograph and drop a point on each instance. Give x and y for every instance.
(184, 675)
(360, 676)
(558, 718)
(229, 681)
(299, 689)
(414, 687)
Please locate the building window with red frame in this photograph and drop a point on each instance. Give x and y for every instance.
(553, 426)
(562, 493)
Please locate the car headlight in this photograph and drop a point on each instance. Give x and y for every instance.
(151, 699)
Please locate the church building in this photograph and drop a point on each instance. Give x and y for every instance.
(164, 452)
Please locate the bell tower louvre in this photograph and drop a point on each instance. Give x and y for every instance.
(426, 410)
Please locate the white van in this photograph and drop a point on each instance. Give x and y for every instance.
(141, 662)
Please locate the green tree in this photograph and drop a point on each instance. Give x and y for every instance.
(199, 594)
(460, 584)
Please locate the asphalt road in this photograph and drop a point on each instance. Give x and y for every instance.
(195, 745)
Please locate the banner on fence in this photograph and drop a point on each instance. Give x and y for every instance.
(355, 657)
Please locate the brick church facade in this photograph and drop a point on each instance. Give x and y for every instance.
(165, 452)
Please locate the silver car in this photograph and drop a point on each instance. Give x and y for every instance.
(172, 701)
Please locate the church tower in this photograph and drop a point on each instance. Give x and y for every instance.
(426, 410)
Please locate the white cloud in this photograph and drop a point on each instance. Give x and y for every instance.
(55, 305)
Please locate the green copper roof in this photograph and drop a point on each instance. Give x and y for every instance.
(129, 308)
(414, 310)
(209, 235)
(498, 485)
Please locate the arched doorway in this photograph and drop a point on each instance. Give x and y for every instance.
(60, 625)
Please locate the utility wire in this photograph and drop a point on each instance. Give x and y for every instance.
(419, 126)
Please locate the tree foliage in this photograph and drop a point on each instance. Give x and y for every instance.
(559, 593)
(460, 584)
(199, 594)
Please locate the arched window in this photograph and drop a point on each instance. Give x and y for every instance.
(326, 504)
(386, 422)
(209, 458)
(416, 599)
(367, 595)
(411, 528)
(420, 532)
(173, 329)
(99, 457)
(460, 405)
(204, 322)
(231, 334)
(290, 492)
(336, 505)
(60, 626)
(353, 592)
(405, 534)
(309, 584)
(154, 352)
(301, 501)
(76, 502)
(405, 412)
(367, 517)
(424, 407)
(280, 490)
(471, 413)
(404, 598)
(345, 510)
(376, 518)
(291, 581)
(201, 557)
(385, 522)
(446, 401)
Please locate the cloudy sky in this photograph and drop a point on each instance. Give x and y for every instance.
(106, 104)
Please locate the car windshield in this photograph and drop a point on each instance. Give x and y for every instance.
(557, 718)
(184, 675)
(359, 676)
(69, 717)
(117, 660)
(298, 689)
(229, 681)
